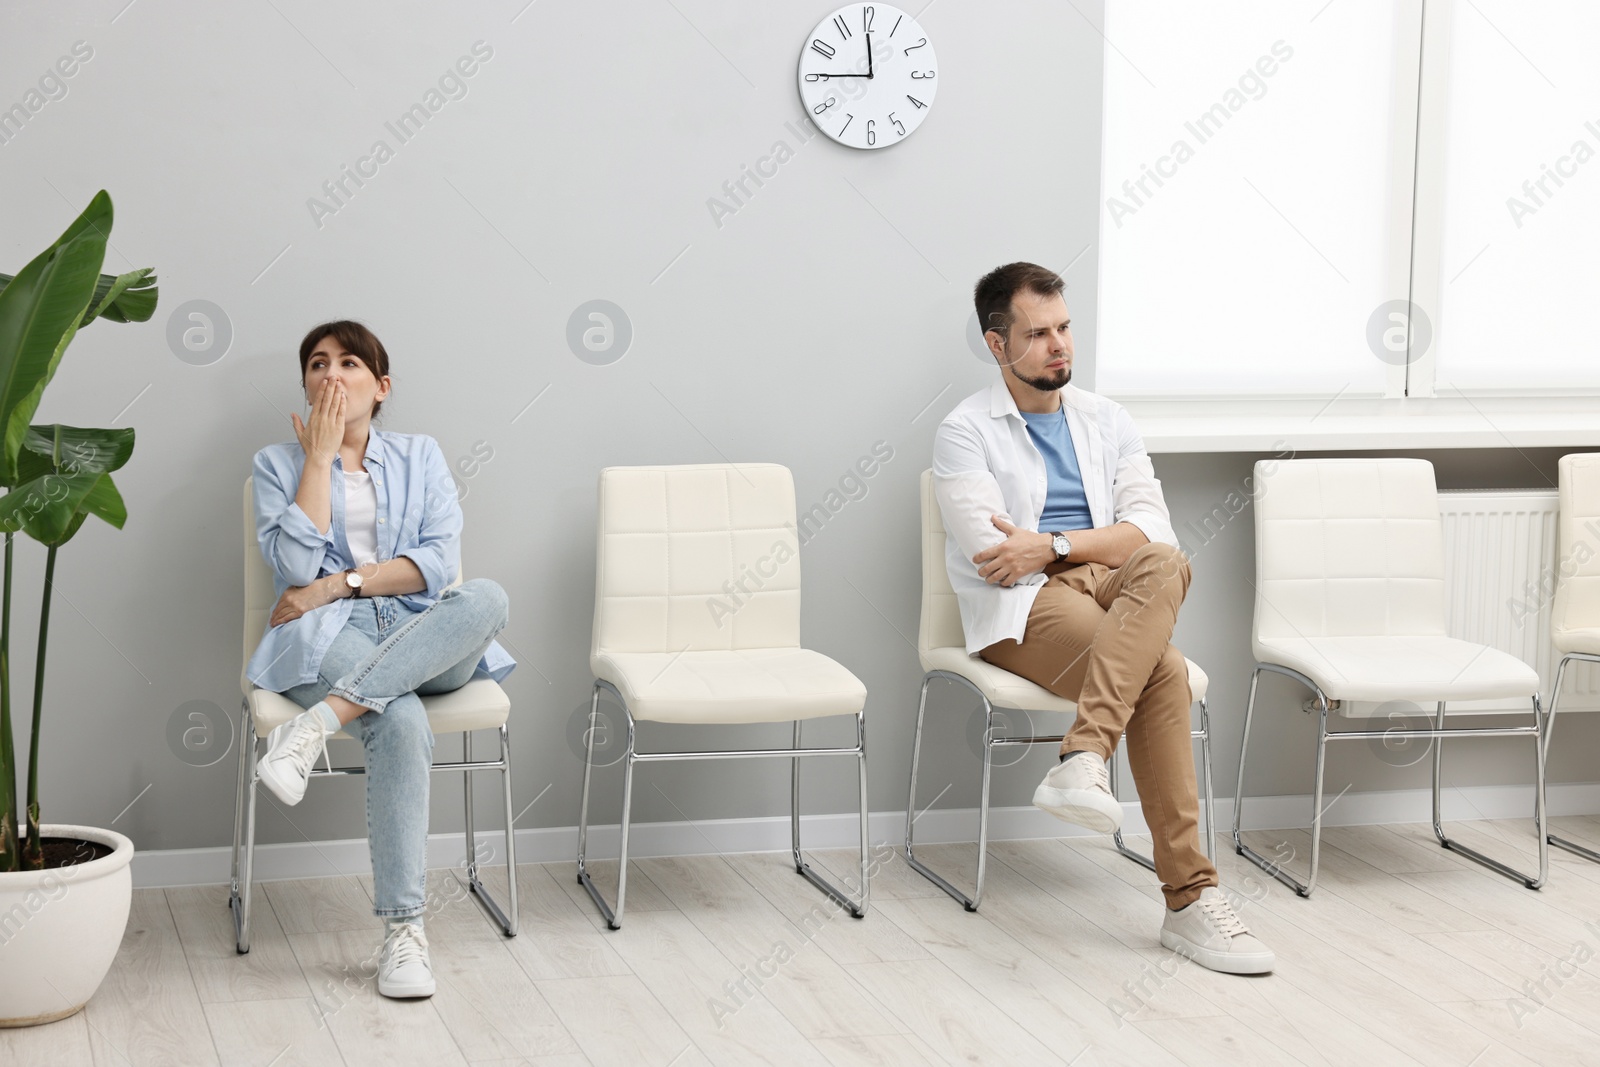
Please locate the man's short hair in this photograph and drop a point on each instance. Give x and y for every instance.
(993, 293)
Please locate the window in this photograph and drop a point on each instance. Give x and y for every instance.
(1520, 179)
(1278, 181)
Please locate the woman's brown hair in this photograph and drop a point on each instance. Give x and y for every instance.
(357, 340)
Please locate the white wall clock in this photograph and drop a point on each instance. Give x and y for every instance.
(868, 75)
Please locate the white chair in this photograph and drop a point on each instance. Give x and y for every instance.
(1350, 586)
(479, 705)
(941, 646)
(1575, 616)
(697, 620)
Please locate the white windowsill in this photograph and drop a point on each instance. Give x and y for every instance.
(1275, 423)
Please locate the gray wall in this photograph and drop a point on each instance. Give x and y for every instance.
(822, 317)
(829, 313)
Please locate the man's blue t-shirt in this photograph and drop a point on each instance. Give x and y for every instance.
(1066, 507)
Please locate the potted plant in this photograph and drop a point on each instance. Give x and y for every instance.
(64, 890)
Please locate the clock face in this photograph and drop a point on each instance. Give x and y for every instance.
(868, 75)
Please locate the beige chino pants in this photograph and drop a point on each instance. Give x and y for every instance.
(1101, 636)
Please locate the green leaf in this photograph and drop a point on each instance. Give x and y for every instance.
(43, 508)
(127, 297)
(103, 502)
(74, 526)
(65, 478)
(50, 457)
(135, 301)
(39, 314)
(82, 449)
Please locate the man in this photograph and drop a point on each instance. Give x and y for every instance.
(1067, 571)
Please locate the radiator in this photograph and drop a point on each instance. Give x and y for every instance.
(1501, 563)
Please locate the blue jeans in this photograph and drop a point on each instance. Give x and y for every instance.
(386, 657)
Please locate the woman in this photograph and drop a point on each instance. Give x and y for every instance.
(362, 528)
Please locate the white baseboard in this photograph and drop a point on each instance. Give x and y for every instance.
(211, 866)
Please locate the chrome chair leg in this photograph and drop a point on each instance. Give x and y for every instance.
(989, 742)
(861, 786)
(1317, 791)
(470, 837)
(238, 808)
(244, 828)
(244, 822)
(970, 903)
(1539, 815)
(916, 757)
(983, 802)
(613, 918)
(615, 922)
(588, 773)
(1270, 866)
(1116, 837)
(794, 805)
(511, 831)
(1550, 725)
(857, 910)
(475, 886)
(912, 815)
(632, 756)
(1539, 733)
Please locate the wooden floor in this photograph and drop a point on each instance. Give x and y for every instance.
(1405, 954)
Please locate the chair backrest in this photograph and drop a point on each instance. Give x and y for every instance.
(1577, 602)
(940, 625)
(696, 557)
(1347, 547)
(260, 592)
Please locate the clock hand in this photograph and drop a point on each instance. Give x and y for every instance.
(869, 55)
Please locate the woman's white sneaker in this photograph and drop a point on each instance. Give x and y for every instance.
(1210, 933)
(292, 750)
(1078, 790)
(405, 969)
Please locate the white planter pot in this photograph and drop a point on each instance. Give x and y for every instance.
(61, 928)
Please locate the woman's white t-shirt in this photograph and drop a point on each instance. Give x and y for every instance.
(361, 516)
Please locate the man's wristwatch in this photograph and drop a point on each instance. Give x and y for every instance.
(352, 579)
(1060, 543)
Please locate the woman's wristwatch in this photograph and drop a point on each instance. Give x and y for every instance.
(353, 580)
(1060, 543)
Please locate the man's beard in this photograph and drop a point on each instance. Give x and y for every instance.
(1050, 384)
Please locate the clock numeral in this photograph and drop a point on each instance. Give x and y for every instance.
(816, 77)
(823, 48)
(825, 105)
(921, 75)
(896, 26)
(872, 137)
(897, 124)
(848, 118)
(866, 18)
(844, 29)
(920, 42)
(918, 103)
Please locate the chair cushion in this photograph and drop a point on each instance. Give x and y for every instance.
(1006, 690)
(731, 685)
(1580, 640)
(1420, 669)
(479, 705)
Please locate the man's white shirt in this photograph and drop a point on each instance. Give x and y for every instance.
(985, 463)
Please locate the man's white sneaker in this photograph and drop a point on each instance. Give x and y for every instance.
(292, 750)
(1208, 932)
(405, 970)
(1078, 790)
